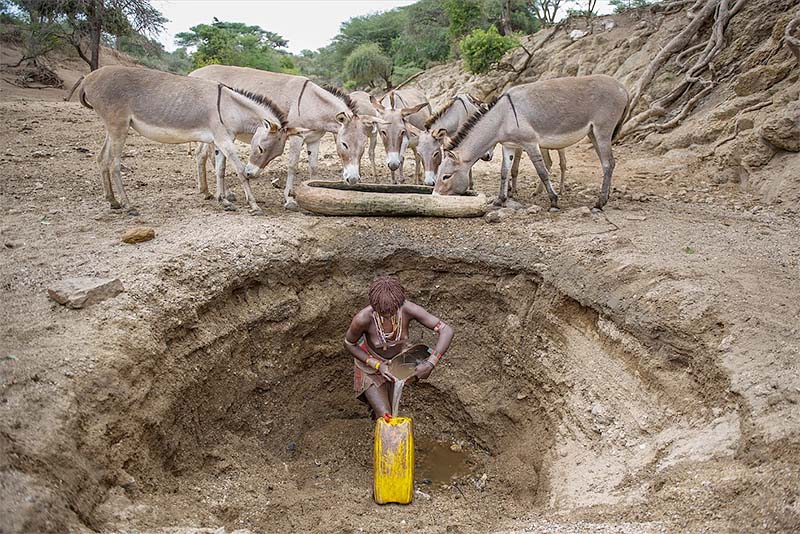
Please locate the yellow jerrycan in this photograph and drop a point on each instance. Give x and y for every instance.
(393, 461)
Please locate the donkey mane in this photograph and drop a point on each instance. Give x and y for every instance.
(438, 114)
(344, 97)
(265, 102)
(467, 127)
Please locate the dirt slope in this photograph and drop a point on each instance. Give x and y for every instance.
(755, 95)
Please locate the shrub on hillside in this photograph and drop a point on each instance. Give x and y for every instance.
(480, 49)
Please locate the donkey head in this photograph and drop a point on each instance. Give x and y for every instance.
(267, 144)
(453, 175)
(351, 140)
(429, 150)
(394, 132)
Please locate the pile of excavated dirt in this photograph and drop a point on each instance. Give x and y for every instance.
(745, 132)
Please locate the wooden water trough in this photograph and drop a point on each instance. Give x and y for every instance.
(381, 200)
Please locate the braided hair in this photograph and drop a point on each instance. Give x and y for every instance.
(386, 295)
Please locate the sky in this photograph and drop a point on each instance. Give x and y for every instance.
(306, 24)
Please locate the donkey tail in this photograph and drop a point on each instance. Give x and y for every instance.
(622, 120)
(72, 91)
(82, 97)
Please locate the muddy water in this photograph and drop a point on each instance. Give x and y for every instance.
(438, 463)
(402, 367)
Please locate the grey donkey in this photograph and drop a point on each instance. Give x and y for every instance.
(309, 106)
(551, 114)
(169, 108)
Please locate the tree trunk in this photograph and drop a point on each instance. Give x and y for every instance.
(95, 32)
(505, 17)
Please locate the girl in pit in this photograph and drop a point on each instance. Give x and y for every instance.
(379, 332)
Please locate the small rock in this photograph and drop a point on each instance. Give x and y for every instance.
(422, 494)
(609, 25)
(583, 211)
(499, 215)
(291, 447)
(533, 210)
(726, 343)
(574, 35)
(80, 292)
(514, 205)
(521, 396)
(138, 234)
(480, 484)
(456, 447)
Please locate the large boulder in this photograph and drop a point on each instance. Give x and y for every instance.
(83, 291)
(783, 132)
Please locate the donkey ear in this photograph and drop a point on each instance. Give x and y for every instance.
(439, 134)
(271, 127)
(413, 130)
(452, 155)
(376, 104)
(405, 112)
(342, 118)
(296, 131)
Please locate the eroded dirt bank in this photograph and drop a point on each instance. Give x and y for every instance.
(635, 372)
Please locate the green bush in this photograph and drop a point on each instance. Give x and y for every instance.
(482, 48)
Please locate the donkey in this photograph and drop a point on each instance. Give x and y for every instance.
(365, 109)
(169, 108)
(444, 123)
(553, 114)
(307, 106)
(397, 109)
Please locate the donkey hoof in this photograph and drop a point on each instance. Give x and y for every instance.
(256, 212)
(499, 203)
(596, 210)
(230, 196)
(207, 195)
(133, 212)
(554, 209)
(291, 205)
(115, 205)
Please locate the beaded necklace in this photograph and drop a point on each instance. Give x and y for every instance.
(393, 335)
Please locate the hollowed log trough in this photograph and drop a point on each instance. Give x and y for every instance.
(385, 200)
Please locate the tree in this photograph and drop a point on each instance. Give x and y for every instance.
(481, 49)
(368, 63)
(236, 43)
(464, 15)
(86, 21)
(43, 31)
(546, 10)
(624, 5)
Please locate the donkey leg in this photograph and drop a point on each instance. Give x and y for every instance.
(201, 157)
(515, 171)
(373, 140)
(104, 164)
(228, 149)
(548, 162)
(562, 164)
(505, 168)
(312, 145)
(118, 137)
(602, 145)
(295, 147)
(541, 169)
(225, 197)
(417, 169)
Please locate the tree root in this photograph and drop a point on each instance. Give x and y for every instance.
(754, 107)
(702, 53)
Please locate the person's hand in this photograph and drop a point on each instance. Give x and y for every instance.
(423, 370)
(383, 369)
